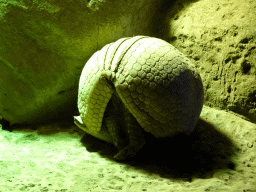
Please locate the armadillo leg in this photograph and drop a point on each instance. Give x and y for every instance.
(115, 132)
(113, 119)
(135, 135)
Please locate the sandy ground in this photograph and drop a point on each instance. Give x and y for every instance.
(220, 155)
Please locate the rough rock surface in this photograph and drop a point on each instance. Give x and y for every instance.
(221, 37)
(45, 44)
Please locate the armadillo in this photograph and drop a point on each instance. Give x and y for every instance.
(137, 85)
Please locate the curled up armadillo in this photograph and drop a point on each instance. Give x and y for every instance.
(135, 85)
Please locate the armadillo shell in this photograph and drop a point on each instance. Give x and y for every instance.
(158, 85)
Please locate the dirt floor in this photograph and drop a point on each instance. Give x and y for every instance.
(220, 155)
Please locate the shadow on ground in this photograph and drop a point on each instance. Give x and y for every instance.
(181, 156)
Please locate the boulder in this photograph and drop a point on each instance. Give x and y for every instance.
(44, 46)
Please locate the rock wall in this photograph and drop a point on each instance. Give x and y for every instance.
(220, 37)
(45, 44)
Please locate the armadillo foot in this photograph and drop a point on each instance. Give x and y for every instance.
(127, 152)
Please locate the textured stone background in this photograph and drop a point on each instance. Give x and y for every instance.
(220, 37)
(45, 44)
